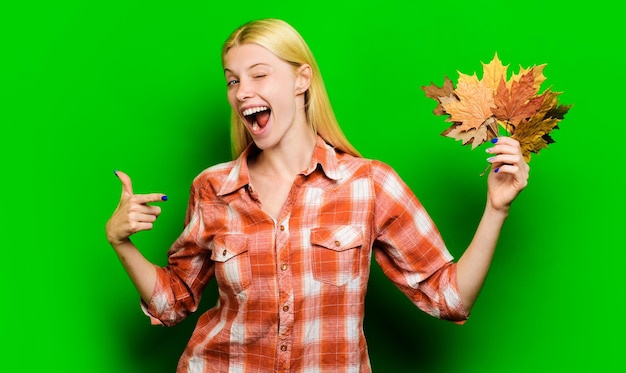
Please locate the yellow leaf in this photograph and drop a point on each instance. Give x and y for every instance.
(493, 72)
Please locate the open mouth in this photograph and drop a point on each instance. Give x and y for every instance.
(257, 117)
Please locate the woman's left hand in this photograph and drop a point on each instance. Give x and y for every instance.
(508, 175)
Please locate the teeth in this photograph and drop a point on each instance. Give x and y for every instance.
(255, 126)
(254, 110)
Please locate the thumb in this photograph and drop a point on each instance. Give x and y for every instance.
(127, 185)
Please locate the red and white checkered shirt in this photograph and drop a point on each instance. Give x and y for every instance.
(292, 291)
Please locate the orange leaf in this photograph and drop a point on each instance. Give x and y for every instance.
(537, 75)
(519, 102)
(474, 105)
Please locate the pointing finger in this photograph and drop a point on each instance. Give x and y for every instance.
(152, 197)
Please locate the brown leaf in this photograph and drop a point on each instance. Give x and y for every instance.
(436, 93)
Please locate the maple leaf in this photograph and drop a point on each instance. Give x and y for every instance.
(493, 72)
(551, 106)
(537, 75)
(435, 92)
(478, 108)
(473, 107)
(534, 134)
(475, 136)
(517, 103)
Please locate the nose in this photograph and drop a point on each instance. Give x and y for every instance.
(244, 91)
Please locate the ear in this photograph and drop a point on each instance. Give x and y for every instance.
(303, 78)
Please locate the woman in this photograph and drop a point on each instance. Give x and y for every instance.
(289, 227)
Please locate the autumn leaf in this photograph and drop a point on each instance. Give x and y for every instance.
(519, 102)
(474, 105)
(494, 72)
(534, 134)
(537, 75)
(434, 92)
(479, 108)
(476, 136)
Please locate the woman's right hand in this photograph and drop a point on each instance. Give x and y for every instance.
(133, 214)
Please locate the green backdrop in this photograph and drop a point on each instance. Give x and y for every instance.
(89, 87)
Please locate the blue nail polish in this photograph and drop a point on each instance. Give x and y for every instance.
(115, 172)
(164, 198)
(494, 140)
(496, 170)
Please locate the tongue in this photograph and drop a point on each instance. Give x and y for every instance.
(262, 118)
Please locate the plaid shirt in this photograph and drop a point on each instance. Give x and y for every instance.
(292, 291)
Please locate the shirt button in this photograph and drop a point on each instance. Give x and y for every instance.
(285, 308)
(282, 228)
(283, 348)
(224, 252)
(337, 243)
(283, 267)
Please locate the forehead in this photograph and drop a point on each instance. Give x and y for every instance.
(245, 56)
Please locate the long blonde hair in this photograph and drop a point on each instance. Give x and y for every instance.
(285, 42)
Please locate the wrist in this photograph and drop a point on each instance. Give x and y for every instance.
(118, 243)
(497, 211)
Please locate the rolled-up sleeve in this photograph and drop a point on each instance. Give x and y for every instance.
(410, 251)
(180, 284)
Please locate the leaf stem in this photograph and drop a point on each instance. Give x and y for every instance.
(485, 170)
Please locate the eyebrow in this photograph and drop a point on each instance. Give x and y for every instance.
(249, 68)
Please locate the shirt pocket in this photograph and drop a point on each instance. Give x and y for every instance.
(232, 262)
(336, 254)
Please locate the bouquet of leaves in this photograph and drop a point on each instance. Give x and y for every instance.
(480, 109)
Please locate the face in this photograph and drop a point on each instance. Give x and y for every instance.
(267, 93)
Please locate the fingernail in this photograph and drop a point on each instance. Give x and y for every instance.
(490, 159)
(488, 150)
(115, 172)
(496, 170)
(164, 198)
(494, 140)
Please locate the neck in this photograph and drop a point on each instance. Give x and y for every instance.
(287, 160)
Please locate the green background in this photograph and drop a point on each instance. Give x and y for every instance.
(91, 87)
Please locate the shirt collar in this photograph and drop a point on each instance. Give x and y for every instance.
(324, 155)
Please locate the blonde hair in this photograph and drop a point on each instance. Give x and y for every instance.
(285, 42)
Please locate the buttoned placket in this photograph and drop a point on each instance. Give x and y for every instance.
(285, 282)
